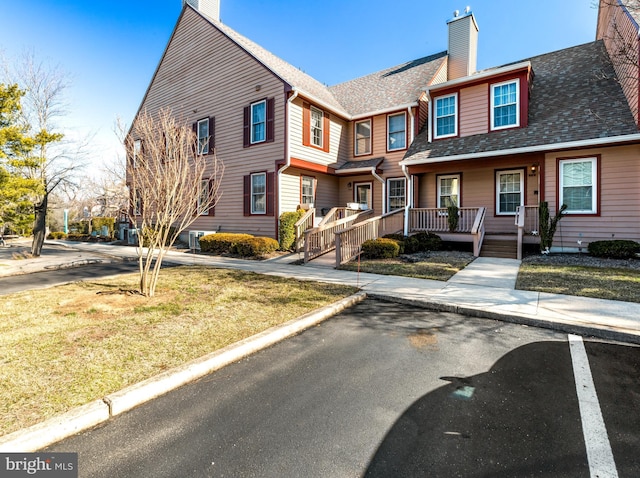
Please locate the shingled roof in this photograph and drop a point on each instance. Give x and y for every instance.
(399, 85)
(574, 96)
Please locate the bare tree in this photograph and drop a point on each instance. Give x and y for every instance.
(54, 161)
(170, 183)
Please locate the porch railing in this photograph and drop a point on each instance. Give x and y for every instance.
(337, 213)
(322, 239)
(349, 240)
(304, 223)
(527, 222)
(437, 219)
(477, 231)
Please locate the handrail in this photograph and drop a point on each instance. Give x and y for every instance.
(304, 223)
(336, 213)
(349, 241)
(527, 223)
(478, 231)
(321, 239)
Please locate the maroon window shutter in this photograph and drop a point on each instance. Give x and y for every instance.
(247, 126)
(271, 194)
(247, 195)
(326, 132)
(271, 113)
(306, 124)
(212, 134)
(212, 209)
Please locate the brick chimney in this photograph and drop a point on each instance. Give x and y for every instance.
(463, 44)
(209, 8)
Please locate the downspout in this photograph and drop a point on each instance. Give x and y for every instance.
(384, 187)
(409, 181)
(287, 163)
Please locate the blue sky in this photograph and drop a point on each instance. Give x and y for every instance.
(111, 48)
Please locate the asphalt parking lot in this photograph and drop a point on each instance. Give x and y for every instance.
(383, 390)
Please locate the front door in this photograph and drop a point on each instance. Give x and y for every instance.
(363, 195)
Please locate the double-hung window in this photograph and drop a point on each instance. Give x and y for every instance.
(203, 136)
(363, 137)
(307, 189)
(137, 151)
(505, 111)
(258, 122)
(397, 196)
(259, 193)
(317, 123)
(449, 190)
(578, 185)
(446, 116)
(397, 131)
(509, 191)
(203, 198)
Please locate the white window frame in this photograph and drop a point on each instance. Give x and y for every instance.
(252, 124)
(436, 117)
(404, 131)
(316, 131)
(137, 149)
(521, 172)
(357, 152)
(439, 187)
(203, 142)
(403, 196)
(255, 195)
(517, 104)
(594, 184)
(203, 195)
(313, 189)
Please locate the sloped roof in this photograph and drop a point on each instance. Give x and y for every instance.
(399, 85)
(574, 97)
(362, 163)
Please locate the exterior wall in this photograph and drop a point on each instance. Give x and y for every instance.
(478, 187)
(326, 190)
(619, 216)
(474, 107)
(619, 31)
(338, 150)
(220, 84)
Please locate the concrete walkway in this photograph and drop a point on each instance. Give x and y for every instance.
(485, 288)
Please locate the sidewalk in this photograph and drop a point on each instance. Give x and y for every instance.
(485, 289)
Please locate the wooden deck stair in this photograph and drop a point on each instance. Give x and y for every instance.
(499, 246)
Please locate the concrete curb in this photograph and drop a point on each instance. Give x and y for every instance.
(88, 416)
(588, 330)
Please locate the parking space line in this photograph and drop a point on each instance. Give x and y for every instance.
(599, 454)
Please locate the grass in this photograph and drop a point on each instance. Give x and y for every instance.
(435, 268)
(66, 346)
(598, 282)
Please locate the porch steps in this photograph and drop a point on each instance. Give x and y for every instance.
(499, 246)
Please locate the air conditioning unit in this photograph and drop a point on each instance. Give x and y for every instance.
(194, 236)
(132, 237)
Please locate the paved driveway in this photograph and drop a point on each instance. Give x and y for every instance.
(384, 390)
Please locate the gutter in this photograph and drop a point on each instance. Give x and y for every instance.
(587, 143)
(287, 163)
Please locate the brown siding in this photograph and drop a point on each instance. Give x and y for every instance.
(620, 34)
(474, 110)
(220, 83)
(619, 196)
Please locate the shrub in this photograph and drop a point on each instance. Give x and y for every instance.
(221, 242)
(618, 249)
(548, 225)
(57, 235)
(98, 222)
(287, 231)
(428, 241)
(255, 246)
(453, 217)
(380, 248)
(149, 233)
(400, 240)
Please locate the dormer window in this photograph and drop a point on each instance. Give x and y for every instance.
(505, 111)
(446, 116)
